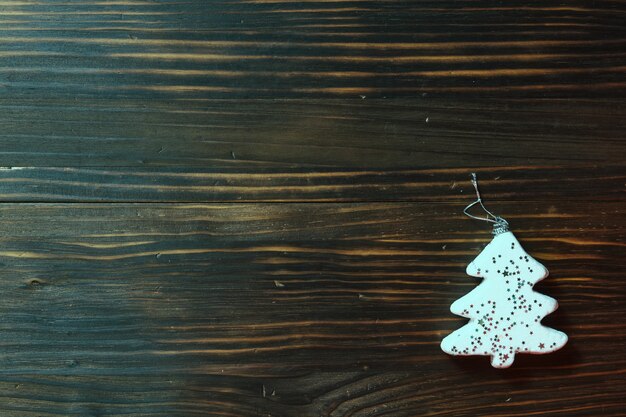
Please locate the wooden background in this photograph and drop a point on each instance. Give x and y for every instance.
(253, 207)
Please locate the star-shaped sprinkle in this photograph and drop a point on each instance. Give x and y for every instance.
(541, 345)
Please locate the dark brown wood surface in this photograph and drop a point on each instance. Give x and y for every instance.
(254, 207)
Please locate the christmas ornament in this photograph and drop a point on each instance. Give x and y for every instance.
(505, 313)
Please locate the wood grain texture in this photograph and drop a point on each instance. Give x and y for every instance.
(292, 310)
(306, 184)
(252, 208)
(240, 48)
(273, 134)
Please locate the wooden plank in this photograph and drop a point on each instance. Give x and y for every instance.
(293, 310)
(288, 134)
(133, 285)
(248, 184)
(344, 48)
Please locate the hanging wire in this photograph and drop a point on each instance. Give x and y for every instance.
(499, 224)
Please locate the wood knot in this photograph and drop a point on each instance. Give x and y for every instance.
(35, 283)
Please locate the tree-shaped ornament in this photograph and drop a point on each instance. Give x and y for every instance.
(505, 313)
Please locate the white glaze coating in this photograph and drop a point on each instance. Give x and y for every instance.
(505, 313)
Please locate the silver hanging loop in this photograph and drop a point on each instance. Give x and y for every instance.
(499, 224)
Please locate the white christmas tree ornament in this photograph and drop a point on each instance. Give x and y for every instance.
(505, 313)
